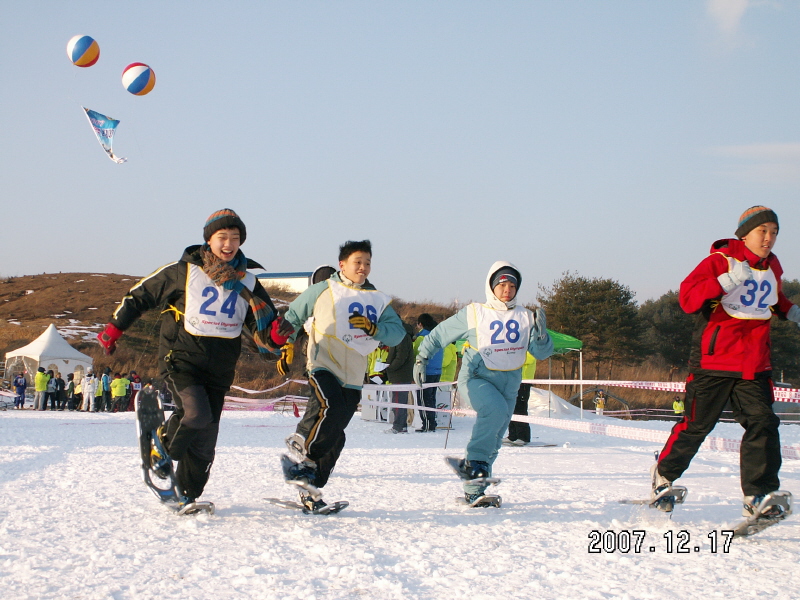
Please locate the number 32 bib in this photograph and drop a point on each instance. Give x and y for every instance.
(502, 335)
(211, 310)
(753, 298)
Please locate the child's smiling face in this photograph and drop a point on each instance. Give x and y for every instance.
(761, 239)
(225, 243)
(356, 267)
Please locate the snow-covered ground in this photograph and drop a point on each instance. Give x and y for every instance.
(77, 522)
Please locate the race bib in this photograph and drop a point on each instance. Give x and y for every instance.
(348, 300)
(502, 335)
(753, 298)
(211, 310)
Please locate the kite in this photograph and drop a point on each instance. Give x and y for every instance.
(104, 128)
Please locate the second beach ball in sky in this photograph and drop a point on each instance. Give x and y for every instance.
(138, 78)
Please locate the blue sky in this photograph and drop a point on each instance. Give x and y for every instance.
(612, 139)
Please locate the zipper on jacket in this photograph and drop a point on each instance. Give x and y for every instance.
(713, 341)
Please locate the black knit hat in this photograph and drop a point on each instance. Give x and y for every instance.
(224, 219)
(505, 274)
(753, 217)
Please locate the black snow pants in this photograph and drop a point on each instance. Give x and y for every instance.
(192, 430)
(751, 402)
(328, 413)
(516, 429)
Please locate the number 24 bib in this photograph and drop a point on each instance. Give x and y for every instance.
(211, 310)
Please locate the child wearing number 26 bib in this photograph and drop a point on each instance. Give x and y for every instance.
(499, 334)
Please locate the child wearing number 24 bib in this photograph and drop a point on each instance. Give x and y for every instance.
(499, 334)
(205, 299)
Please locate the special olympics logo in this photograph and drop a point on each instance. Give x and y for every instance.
(487, 353)
(347, 338)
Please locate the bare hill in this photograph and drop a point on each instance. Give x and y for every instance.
(80, 304)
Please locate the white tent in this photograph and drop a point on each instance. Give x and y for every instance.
(50, 351)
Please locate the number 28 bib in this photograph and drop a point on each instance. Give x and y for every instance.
(753, 298)
(502, 335)
(211, 310)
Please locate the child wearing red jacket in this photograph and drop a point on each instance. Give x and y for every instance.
(734, 292)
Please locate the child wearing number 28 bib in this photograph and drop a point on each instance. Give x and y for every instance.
(499, 335)
(205, 299)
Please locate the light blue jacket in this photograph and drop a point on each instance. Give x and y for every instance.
(329, 353)
(472, 365)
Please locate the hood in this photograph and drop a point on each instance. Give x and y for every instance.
(738, 250)
(491, 299)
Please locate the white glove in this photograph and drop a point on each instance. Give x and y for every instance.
(794, 314)
(419, 370)
(736, 276)
(539, 325)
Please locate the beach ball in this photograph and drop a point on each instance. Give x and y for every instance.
(138, 79)
(83, 51)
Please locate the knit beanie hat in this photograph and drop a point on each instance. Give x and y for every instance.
(753, 217)
(224, 219)
(506, 274)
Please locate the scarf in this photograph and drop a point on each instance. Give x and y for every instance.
(229, 276)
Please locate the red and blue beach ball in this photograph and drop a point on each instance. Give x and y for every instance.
(138, 79)
(83, 51)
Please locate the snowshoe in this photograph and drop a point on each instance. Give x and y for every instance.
(189, 506)
(664, 495)
(481, 500)
(763, 511)
(475, 471)
(301, 474)
(296, 444)
(157, 469)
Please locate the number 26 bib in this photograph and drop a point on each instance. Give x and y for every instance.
(348, 300)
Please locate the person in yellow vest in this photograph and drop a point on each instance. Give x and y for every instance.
(40, 386)
(519, 433)
(119, 392)
(376, 364)
(98, 396)
(600, 402)
(449, 363)
(677, 406)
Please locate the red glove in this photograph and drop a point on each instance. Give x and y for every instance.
(108, 338)
(279, 331)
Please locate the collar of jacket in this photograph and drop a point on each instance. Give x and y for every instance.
(737, 249)
(194, 254)
(345, 281)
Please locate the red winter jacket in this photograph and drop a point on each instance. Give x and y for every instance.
(721, 344)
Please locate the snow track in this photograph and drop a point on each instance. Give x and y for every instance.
(77, 522)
